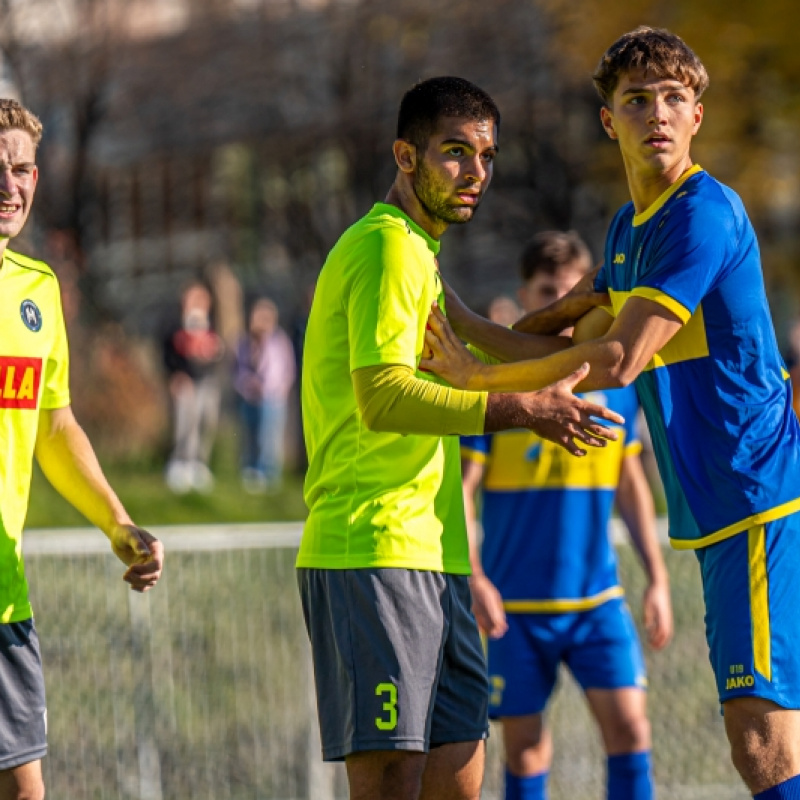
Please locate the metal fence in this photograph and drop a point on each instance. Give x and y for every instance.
(203, 687)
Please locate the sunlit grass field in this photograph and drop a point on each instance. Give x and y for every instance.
(140, 485)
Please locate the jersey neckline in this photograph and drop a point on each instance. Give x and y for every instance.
(640, 219)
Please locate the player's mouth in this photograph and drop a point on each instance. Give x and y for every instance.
(469, 198)
(658, 140)
(8, 210)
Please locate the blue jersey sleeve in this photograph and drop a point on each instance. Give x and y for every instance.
(693, 240)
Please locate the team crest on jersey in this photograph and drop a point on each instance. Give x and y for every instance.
(31, 315)
(19, 381)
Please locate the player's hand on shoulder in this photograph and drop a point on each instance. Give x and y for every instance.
(487, 606)
(445, 354)
(558, 415)
(142, 552)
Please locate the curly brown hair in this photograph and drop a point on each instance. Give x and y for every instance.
(14, 116)
(652, 50)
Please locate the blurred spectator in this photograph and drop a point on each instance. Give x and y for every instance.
(265, 374)
(192, 351)
(504, 311)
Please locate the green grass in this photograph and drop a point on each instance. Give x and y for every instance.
(141, 487)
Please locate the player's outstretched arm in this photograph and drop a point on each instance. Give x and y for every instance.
(641, 329)
(487, 603)
(68, 461)
(635, 505)
(535, 335)
(555, 413)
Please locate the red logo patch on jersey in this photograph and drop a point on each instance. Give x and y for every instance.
(19, 381)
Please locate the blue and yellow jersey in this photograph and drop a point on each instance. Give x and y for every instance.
(717, 397)
(545, 514)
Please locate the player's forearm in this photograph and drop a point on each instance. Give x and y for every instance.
(392, 400)
(561, 314)
(507, 344)
(637, 511)
(68, 461)
(604, 358)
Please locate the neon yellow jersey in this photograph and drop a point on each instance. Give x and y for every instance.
(34, 374)
(375, 499)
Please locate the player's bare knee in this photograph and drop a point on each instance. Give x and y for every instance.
(629, 734)
(753, 760)
(30, 791)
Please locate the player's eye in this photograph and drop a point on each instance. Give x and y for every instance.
(455, 151)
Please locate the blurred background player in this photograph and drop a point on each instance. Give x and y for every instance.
(546, 589)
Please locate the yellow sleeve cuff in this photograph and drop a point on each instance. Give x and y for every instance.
(678, 309)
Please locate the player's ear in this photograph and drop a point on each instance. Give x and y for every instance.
(607, 120)
(698, 117)
(405, 155)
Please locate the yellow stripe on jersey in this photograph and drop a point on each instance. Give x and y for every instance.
(521, 460)
(657, 296)
(633, 449)
(648, 213)
(687, 344)
(470, 454)
(759, 599)
(564, 605)
(762, 518)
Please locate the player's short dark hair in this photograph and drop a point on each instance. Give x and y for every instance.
(14, 116)
(425, 103)
(653, 50)
(550, 251)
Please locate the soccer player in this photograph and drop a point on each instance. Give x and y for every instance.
(36, 420)
(690, 324)
(382, 569)
(544, 583)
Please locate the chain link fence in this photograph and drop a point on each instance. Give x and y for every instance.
(203, 688)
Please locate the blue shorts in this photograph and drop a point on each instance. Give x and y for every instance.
(600, 647)
(751, 588)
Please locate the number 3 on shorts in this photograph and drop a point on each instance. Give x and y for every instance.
(388, 723)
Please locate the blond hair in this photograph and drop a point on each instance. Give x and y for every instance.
(14, 116)
(656, 51)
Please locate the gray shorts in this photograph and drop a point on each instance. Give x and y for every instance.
(23, 717)
(398, 661)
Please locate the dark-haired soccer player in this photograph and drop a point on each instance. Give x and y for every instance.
(36, 420)
(691, 325)
(544, 581)
(400, 674)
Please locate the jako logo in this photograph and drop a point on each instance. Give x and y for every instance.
(740, 682)
(19, 381)
(619, 258)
